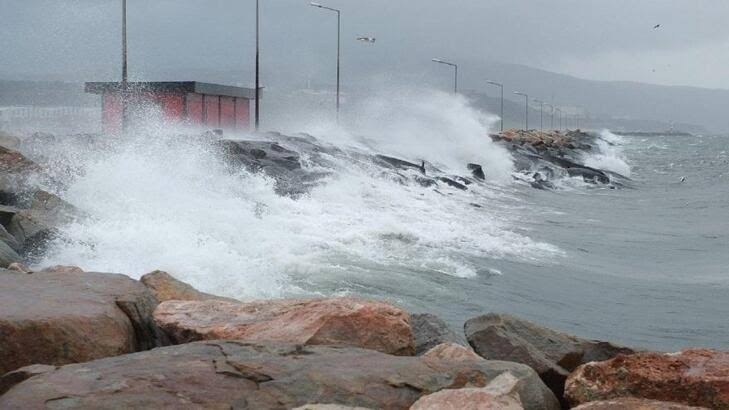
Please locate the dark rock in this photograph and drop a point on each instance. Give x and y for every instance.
(552, 354)
(450, 182)
(61, 317)
(400, 164)
(219, 374)
(589, 175)
(8, 255)
(476, 171)
(429, 331)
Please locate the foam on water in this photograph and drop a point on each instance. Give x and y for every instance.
(610, 154)
(159, 201)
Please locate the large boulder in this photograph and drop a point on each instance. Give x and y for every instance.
(429, 331)
(500, 394)
(634, 404)
(238, 375)
(552, 354)
(59, 317)
(697, 377)
(165, 287)
(336, 322)
(35, 226)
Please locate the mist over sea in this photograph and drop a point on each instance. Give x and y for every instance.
(645, 266)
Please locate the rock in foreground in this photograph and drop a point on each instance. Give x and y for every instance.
(165, 287)
(335, 322)
(220, 374)
(552, 354)
(429, 331)
(60, 317)
(500, 394)
(634, 404)
(697, 377)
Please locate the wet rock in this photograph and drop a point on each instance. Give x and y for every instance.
(165, 287)
(10, 379)
(634, 404)
(337, 322)
(8, 255)
(697, 377)
(477, 171)
(450, 182)
(552, 354)
(19, 267)
(233, 374)
(9, 239)
(329, 407)
(35, 226)
(499, 394)
(429, 331)
(57, 318)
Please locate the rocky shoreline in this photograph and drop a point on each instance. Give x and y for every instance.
(76, 339)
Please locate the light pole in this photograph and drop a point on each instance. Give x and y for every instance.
(551, 111)
(125, 70)
(526, 111)
(559, 117)
(339, 35)
(258, 65)
(455, 84)
(501, 87)
(541, 114)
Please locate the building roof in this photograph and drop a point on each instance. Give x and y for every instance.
(173, 86)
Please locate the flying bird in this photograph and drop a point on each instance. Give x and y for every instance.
(656, 26)
(370, 40)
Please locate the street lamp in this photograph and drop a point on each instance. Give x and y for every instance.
(526, 112)
(551, 111)
(560, 118)
(258, 64)
(541, 112)
(125, 71)
(339, 32)
(455, 84)
(501, 86)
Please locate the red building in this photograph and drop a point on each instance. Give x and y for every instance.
(187, 102)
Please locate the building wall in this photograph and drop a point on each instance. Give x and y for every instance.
(212, 110)
(195, 109)
(111, 113)
(227, 113)
(242, 114)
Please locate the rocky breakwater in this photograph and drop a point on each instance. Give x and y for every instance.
(540, 157)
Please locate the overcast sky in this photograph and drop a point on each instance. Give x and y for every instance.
(594, 39)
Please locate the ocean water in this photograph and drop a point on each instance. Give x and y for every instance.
(646, 266)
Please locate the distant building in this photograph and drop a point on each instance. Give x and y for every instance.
(188, 102)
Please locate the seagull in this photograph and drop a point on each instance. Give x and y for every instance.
(656, 26)
(370, 40)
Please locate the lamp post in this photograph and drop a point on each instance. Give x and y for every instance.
(559, 117)
(258, 65)
(541, 114)
(526, 111)
(125, 70)
(551, 111)
(455, 84)
(339, 35)
(501, 87)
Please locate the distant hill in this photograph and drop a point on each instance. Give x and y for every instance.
(45, 94)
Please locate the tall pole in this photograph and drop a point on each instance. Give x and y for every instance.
(339, 36)
(258, 65)
(541, 114)
(125, 70)
(501, 87)
(526, 112)
(455, 66)
(551, 112)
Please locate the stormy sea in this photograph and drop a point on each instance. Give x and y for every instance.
(389, 208)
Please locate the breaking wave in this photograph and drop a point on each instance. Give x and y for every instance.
(159, 200)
